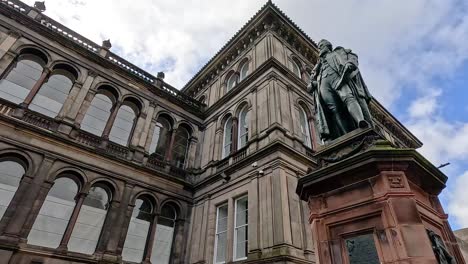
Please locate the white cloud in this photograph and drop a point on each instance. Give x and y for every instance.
(458, 206)
(171, 36)
(424, 106)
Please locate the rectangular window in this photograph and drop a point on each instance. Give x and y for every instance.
(241, 229)
(221, 234)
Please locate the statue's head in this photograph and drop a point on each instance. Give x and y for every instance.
(324, 46)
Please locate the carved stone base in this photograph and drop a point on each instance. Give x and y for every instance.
(380, 200)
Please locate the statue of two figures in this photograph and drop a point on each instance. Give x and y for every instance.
(341, 97)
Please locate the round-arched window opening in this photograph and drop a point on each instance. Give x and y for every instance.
(138, 230)
(232, 81)
(55, 213)
(244, 70)
(297, 69)
(11, 173)
(90, 221)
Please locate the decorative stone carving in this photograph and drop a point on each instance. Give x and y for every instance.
(40, 6)
(347, 151)
(106, 44)
(395, 181)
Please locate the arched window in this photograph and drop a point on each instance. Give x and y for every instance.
(297, 68)
(137, 234)
(98, 113)
(123, 124)
(243, 127)
(161, 251)
(16, 86)
(244, 71)
(53, 93)
(305, 127)
(231, 82)
(227, 142)
(55, 213)
(181, 144)
(10, 177)
(87, 230)
(160, 140)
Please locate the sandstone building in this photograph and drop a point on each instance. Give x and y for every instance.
(102, 162)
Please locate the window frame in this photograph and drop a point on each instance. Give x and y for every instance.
(215, 255)
(136, 114)
(296, 65)
(246, 134)
(241, 69)
(187, 146)
(153, 205)
(307, 135)
(237, 227)
(224, 154)
(233, 76)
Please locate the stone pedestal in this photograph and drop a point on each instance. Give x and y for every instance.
(376, 205)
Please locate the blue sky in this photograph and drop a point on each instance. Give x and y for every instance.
(413, 55)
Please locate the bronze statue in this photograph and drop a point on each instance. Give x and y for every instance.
(441, 253)
(340, 94)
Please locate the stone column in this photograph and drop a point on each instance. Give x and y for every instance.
(7, 63)
(71, 223)
(254, 250)
(146, 142)
(83, 99)
(137, 130)
(31, 198)
(150, 240)
(218, 149)
(145, 133)
(65, 127)
(83, 108)
(108, 225)
(19, 112)
(178, 243)
(9, 41)
(42, 79)
(70, 99)
(192, 149)
(253, 128)
(110, 121)
(235, 134)
(15, 202)
(115, 228)
(171, 145)
(230, 231)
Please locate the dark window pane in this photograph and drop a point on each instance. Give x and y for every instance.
(96, 117)
(51, 96)
(244, 70)
(181, 142)
(138, 229)
(162, 140)
(85, 235)
(54, 215)
(17, 84)
(10, 177)
(243, 127)
(123, 125)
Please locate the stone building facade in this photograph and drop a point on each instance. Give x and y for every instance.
(102, 162)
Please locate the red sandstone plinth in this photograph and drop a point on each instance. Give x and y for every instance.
(388, 195)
